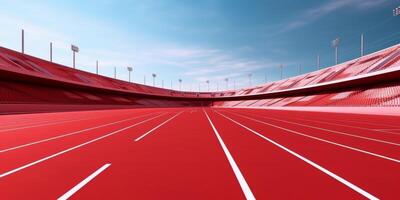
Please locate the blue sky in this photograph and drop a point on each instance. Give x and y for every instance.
(199, 40)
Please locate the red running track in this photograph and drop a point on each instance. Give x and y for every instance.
(199, 153)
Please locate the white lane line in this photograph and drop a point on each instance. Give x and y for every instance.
(28, 121)
(332, 131)
(44, 124)
(69, 134)
(329, 173)
(390, 129)
(239, 176)
(153, 129)
(343, 125)
(322, 140)
(73, 190)
(73, 148)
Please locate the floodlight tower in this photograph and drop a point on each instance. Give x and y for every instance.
(227, 83)
(335, 44)
(51, 51)
(130, 69)
(318, 62)
(154, 79)
(97, 67)
(281, 68)
(75, 49)
(362, 45)
(208, 85)
(115, 72)
(22, 41)
(396, 11)
(180, 84)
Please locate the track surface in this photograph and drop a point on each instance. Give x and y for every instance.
(199, 153)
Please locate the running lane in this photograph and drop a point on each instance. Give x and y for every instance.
(373, 174)
(273, 173)
(181, 159)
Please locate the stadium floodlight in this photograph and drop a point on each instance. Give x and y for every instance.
(130, 69)
(227, 80)
(281, 67)
(154, 79)
(318, 62)
(115, 72)
(250, 75)
(75, 49)
(362, 45)
(208, 85)
(51, 52)
(335, 44)
(396, 11)
(22, 41)
(180, 84)
(97, 67)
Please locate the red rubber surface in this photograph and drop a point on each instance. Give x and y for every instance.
(183, 159)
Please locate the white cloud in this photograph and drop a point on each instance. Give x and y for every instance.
(331, 6)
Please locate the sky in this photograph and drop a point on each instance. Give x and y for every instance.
(199, 40)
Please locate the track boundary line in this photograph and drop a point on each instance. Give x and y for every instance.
(329, 173)
(45, 124)
(158, 126)
(323, 140)
(76, 188)
(239, 176)
(72, 133)
(73, 148)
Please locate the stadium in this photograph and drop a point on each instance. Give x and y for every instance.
(308, 131)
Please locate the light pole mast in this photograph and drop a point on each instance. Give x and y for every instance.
(318, 62)
(74, 49)
(335, 44)
(23, 41)
(362, 44)
(180, 84)
(130, 69)
(208, 85)
(227, 83)
(281, 67)
(154, 79)
(51, 52)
